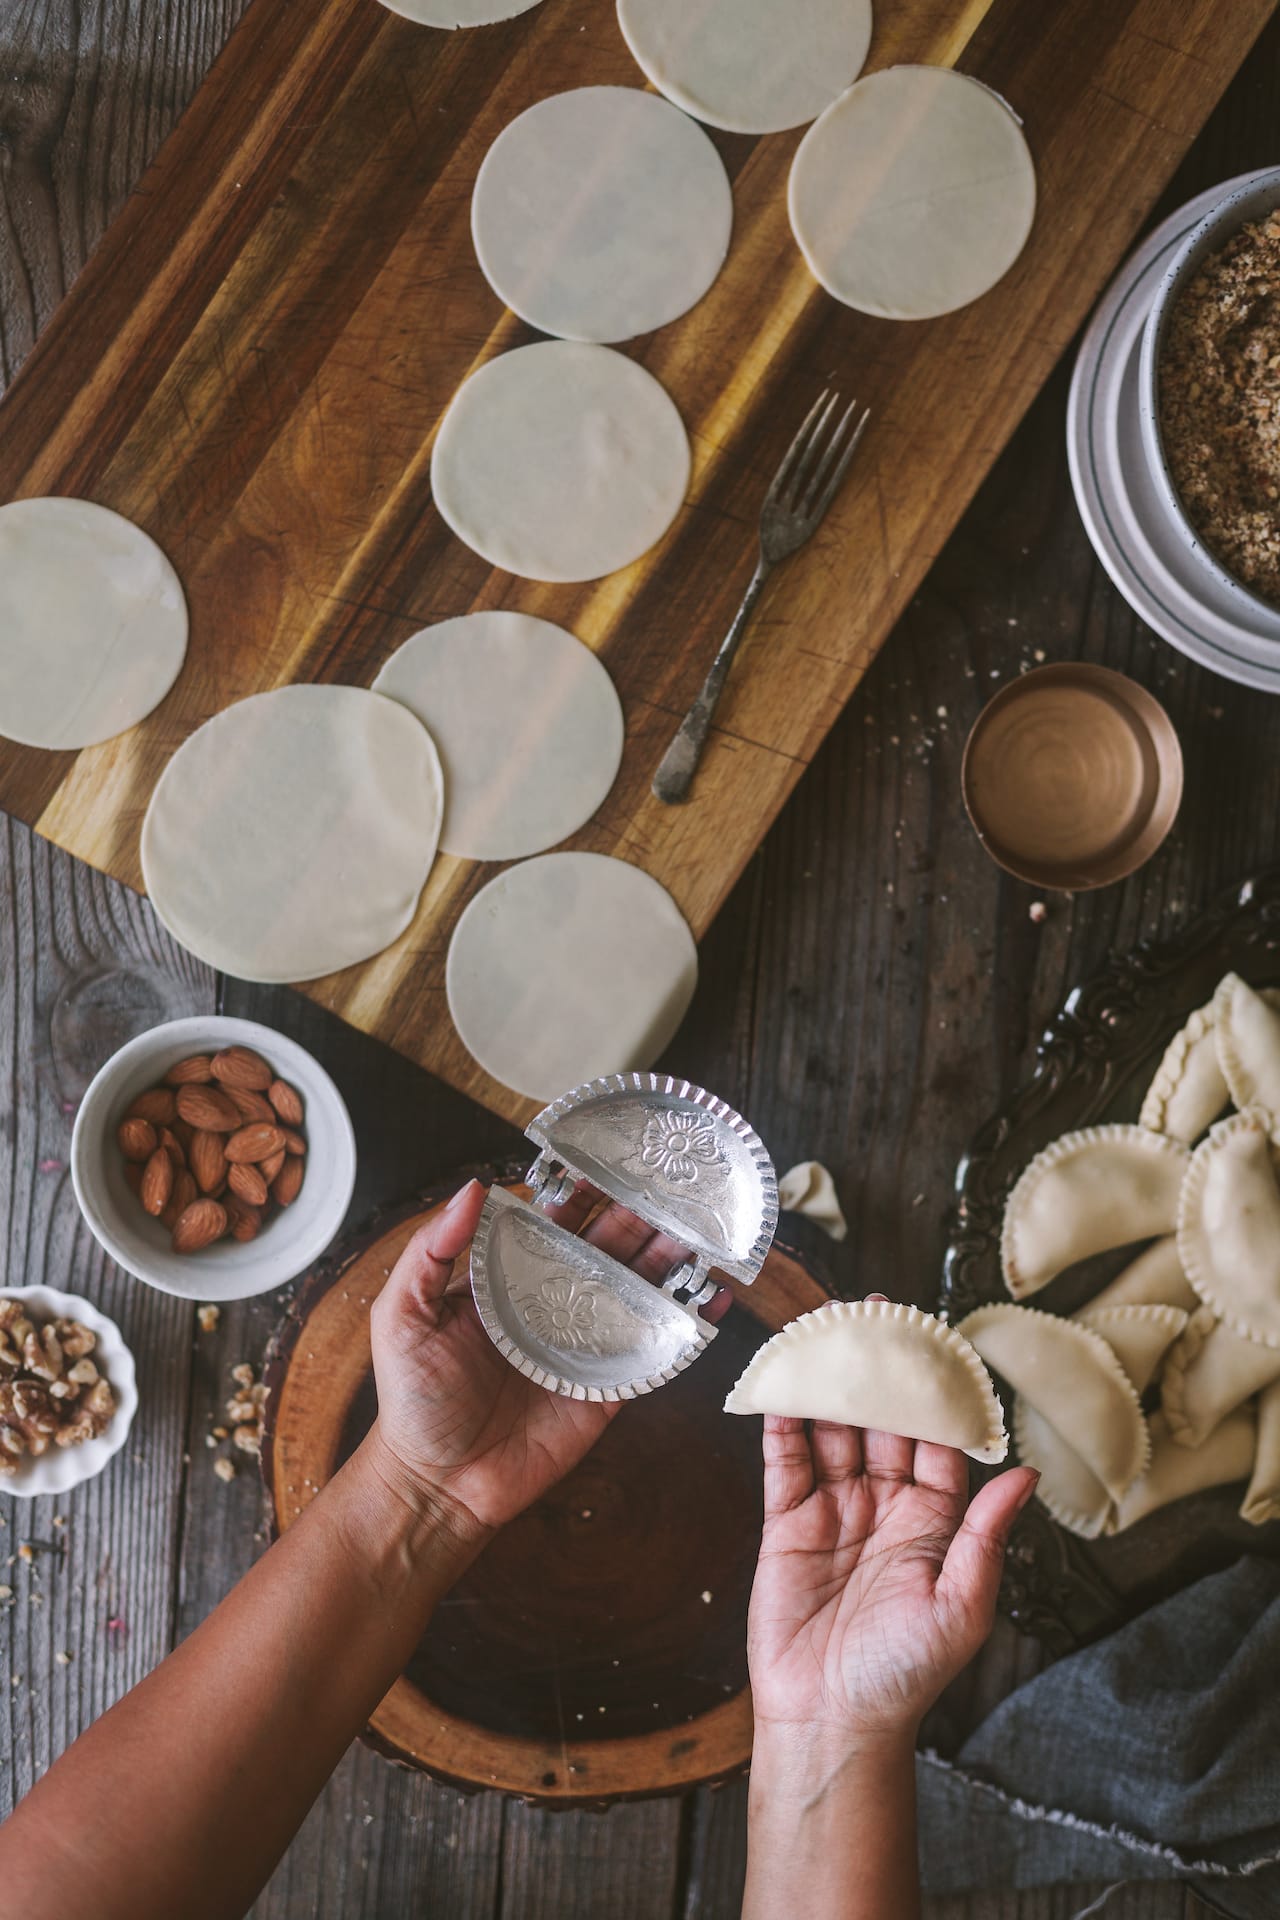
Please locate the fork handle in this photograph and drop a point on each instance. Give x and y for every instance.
(680, 761)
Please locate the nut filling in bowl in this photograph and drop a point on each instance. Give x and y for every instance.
(1219, 403)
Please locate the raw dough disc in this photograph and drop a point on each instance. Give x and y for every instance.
(458, 13)
(560, 461)
(567, 967)
(528, 726)
(753, 66)
(93, 625)
(291, 835)
(913, 194)
(602, 213)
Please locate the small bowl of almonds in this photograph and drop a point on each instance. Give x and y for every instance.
(213, 1158)
(67, 1391)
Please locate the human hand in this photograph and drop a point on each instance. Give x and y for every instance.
(877, 1578)
(457, 1424)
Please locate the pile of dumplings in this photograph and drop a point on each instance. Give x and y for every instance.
(1193, 1322)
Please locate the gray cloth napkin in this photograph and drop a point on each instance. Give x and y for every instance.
(1152, 1755)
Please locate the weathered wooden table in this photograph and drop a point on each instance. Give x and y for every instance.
(872, 990)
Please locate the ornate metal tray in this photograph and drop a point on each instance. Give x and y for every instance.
(1094, 1063)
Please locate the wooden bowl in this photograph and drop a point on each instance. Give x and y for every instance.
(596, 1651)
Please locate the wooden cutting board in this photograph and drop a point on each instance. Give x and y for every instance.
(254, 362)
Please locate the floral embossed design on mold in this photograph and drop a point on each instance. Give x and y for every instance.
(563, 1314)
(674, 1143)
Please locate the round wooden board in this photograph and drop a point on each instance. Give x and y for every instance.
(596, 1651)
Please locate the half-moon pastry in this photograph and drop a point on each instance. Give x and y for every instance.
(1176, 1471)
(1211, 1371)
(880, 1364)
(1229, 1226)
(1067, 1488)
(1247, 1031)
(1262, 1499)
(1154, 1279)
(1140, 1337)
(1102, 1187)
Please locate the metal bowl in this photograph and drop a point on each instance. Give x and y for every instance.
(1248, 200)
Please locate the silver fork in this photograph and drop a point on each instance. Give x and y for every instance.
(801, 491)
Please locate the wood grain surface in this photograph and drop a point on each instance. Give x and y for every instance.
(254, 364)
(871, 991)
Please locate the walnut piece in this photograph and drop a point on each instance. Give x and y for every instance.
(51, 1393)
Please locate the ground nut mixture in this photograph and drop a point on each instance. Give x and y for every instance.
(1220, 404)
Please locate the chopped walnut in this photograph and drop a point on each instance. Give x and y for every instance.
(207, 1318)
(244, 1413)
(225, 1469)
(51, 1393)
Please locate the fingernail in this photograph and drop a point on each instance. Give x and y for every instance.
(1027, 1491)
(459, 1200)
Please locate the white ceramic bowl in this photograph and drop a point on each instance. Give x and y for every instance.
(65, 1467)
(1245, 201)
(292, 1237)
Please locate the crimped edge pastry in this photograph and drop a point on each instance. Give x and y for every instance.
(1021, 1278)
(1168, 1078)
(1141, 1337)
(855, 1326)
(1090, 1525)
(1242, 1082)
(1190, 1231)
(1057, 1401)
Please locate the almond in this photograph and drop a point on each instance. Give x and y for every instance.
(255, 1142)
(247, 1184)
(157, 1105)
(294, 1142)
(287, 1102)
(288, 1182)
(242, 1067)
(199, 1225)
(271, 1166)
(208, 1161)
(246, 1221)
(184, 1192)
(136, 1139)
(208, 1108)
(173, 1147)
(194, 1071)
(157, 1183)
(252, 1106)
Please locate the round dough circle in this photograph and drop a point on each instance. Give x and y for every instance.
(751, 66)
(913, 194)
(560, 462)
(93, 623)
(291, 835)
(527, 724)
(602, 213)
(458, 13)
(567, 967)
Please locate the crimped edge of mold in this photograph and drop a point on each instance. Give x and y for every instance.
(1109, 1361)
(1252, 1120)
(540, 1127)
(1087, 1526)
(1065, 1147)
(634, 1389)
(802, 1328)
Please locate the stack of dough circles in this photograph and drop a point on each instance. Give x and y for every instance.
(913, 193)
(459, 13)
(560, 462)
(751, 66)
(291, 835)
(527, 724)
(93, 624)
(601, 213)
(567, 967)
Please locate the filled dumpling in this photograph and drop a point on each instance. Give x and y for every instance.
(1071, 1377)
(1247, 1031)
(1102, 1187)
(1262, 1498)
(1189, 1089)
(1154, 1279)
(1229, 1226)
(1211, 1371)
(1067, 1488)
(1140, 1337)
(881, 1364)
(1176, 1471)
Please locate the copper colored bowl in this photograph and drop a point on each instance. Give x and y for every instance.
(1072, 776)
